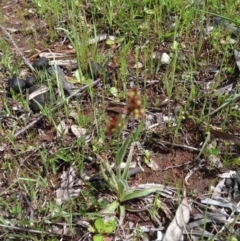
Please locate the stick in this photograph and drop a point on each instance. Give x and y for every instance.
(33, 231)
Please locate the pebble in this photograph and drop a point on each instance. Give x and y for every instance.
(30, 81)
(16, 84)
(39, 101)
(41, 63)
(163, 57)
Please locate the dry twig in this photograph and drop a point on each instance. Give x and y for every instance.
(15, 228)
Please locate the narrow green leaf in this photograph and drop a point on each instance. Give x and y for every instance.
(111, 208)
(138, 130)
(128, 162)
(120, 189)
(119, 40)
(103, 173)
(122, 214)
(122, 151)
(111, 182)
(139, 193)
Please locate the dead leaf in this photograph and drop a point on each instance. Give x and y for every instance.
(78, 131)
(153, 165)
(226, 136)
(107, 239)
(66, 190)
(176, 227)
(62, 129)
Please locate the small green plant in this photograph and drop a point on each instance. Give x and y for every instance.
(103, 228)
(147, 156)
(118, 179)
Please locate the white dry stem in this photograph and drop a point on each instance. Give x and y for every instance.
(237, 57)
(176, 227)
(43, 89)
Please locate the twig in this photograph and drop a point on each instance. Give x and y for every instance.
(181, 165)
(59, 104)
(180, 145)
(33, 231)
(189, 174)
(27, 63)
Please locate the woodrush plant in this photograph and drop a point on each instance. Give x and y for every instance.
(118, 179)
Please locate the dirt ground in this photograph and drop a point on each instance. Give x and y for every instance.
(16, 16)
(174, 162)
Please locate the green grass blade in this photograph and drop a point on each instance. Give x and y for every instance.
(237, 23)
(122, 151)
(128, 162)
(138, 131)
(139, 194)
(111, 208)
(121, 189)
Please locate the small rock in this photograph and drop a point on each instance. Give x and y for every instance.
(163, 57)
(41, 63)
(31, 89)
(94, 69)
(218, 20)
(238, 176)
(16, 84)
(138, 65)
(227, 26)
(30, 81)
(236, 33)
(39, 101)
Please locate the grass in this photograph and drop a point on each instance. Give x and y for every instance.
(140, 28)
